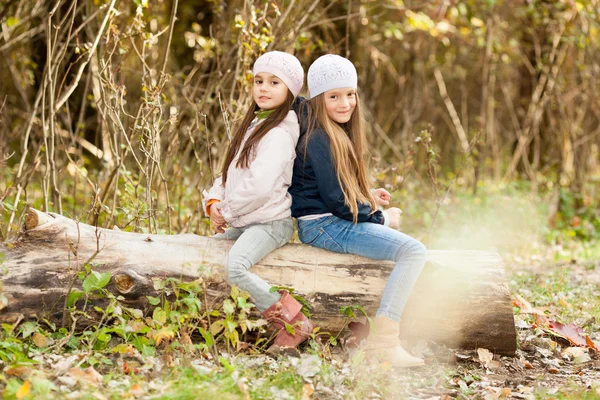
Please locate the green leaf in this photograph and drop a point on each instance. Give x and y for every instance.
(158, 283)
(159, 315)
(9, 207)
(241, 302)
(208, 337)
(28, 328)
(104, 337)
(290, 329)
(228, 307)
(153, 300)
(95, 281)
(73, 297)
(230, 325)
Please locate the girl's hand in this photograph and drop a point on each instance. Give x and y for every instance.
(395, 215)
(382, 197)
(217, 219)
(220, 228)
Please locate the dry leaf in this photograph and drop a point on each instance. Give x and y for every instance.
(527, 364)
(577, 354)
(485, 356)
(23, 390)
(572, 333)
(307, 391)
(67, 380)
(243, 386)
(136, 390)
(19, 372)
(88, 375)
(525, 306)
(40, 340)
(163, 334)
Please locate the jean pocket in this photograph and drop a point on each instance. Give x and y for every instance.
(327, 242)
(309, 231)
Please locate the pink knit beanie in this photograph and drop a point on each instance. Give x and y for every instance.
(284, 66)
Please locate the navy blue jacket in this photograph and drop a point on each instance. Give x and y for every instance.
(315, 187)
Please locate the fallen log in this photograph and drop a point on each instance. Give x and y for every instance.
(461, 299)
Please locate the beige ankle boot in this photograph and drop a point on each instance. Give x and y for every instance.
(385, 345)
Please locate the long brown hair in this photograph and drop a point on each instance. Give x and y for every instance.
(247, 153)
(347, 149)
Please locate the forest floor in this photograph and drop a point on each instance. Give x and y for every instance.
(548, 363)
(554, 289)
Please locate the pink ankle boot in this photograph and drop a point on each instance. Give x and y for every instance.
(287, 311)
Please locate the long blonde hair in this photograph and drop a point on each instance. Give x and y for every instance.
(347, 149)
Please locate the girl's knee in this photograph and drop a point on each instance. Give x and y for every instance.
(234, 271)
(419, 249)
(413, 249)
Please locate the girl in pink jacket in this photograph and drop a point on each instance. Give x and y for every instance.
(251, 196)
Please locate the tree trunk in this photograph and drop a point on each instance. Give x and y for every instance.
(461, 299)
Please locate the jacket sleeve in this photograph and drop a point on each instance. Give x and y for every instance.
(274, 153)
(321, 160)
(216, 192)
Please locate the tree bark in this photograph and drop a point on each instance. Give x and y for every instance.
(461, 299)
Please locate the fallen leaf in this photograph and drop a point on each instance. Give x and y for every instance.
(67, 380)
(492, 393)
(519, 323)
(243, 386)
(527, 364)
(23, 390)
(307, 391)
(572, 333)
(485, 356)
(163, 334)
(136, 390)
(526, 307)
(576, 354)
(88, 375)
(40, 340)
(19, 372)
(553, 370)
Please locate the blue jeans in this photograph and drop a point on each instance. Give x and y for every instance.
(373, 241)
(252, 243)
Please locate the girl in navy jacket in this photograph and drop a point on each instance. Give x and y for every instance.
(334, 206)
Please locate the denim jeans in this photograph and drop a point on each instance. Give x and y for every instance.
(373, 241)
(252, 243)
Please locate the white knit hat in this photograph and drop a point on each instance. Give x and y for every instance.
(284, 66)
(331, 72)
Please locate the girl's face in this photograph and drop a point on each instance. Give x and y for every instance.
(340, 104)
(269, 92)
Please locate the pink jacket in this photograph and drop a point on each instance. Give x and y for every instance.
(259, 193)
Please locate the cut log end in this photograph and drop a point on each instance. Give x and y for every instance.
(124, 283)
(35, 218)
